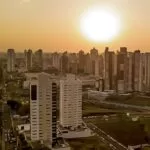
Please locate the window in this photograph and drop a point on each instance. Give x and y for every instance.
(22, 127)
(33, 92)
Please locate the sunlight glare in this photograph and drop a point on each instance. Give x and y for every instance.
(100, 25)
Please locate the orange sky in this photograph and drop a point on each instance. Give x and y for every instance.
(54, 25)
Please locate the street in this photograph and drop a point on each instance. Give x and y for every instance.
(96, 101)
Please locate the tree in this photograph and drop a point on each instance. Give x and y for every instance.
(24, 110)
(14, 105)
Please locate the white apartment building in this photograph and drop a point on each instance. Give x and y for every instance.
(43, 96)
(70, 102)
(10, 60)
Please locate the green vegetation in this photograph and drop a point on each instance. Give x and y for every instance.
(14, 87)
(24, 110)
(23, 143)
(92, 109)
(19, 108)
(131, 99)
(15, 91)
(146, 148)
(89, 143)
(124, 129)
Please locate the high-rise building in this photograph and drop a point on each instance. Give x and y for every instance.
(64, 63)
(88, 64)
(109, 70)
(93, 53)
(129, 72)
(73, 63)
(97, 67)
(101, 66)
(136, 70)
(141, 71)
(10, 60)
(43, 97)
(28, 59)
(81, 56)
(73, 67)
(94, 61)
(147, 71)
(56, 60)
(38, 59)
(122, 70)
(71, 102)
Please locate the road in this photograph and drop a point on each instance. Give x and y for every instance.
(107, 139)
(134, 107)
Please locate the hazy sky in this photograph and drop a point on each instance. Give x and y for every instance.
(55, 24)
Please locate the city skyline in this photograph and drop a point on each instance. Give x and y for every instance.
(48, 99)
(100, 51)
(48, 25)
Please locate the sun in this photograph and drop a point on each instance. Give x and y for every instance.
(100, 25)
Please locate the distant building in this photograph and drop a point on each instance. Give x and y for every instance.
(88, 64)
(122, 70)
(101, 66)
(136, 70)
(129, 72)
(81, 56)
(28, 59)
(10, 60)
(144, 73)
(43, 97)
(70, 102)
(109, 70)
(94, 53)
(64, 63)
(99, 85)
(56, 60)
(147, 71)
(73, 63)
(38, 60)
(94, 61)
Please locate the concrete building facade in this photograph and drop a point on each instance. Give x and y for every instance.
(70, 102)
(43, 97)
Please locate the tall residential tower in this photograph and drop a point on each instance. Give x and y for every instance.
(70, 102)
(10, 60)
(43, 97)
(28, 59)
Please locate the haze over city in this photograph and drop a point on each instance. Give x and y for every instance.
(56, 25)
(74, 75)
